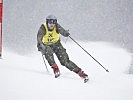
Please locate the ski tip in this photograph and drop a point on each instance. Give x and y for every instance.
(86, 80)
(57, 75)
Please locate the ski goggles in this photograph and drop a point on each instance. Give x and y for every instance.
(52, 21)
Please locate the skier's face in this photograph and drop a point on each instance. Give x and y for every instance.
(51, 26)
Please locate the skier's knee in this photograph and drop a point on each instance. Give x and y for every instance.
(64, 60)
(72, 67)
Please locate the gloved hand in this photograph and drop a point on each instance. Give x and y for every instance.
(42, 46)
(67, 33)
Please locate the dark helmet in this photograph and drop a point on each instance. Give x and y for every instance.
(51, 19)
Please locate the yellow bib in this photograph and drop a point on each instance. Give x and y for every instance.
(51, 36)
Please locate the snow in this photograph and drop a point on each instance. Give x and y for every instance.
(25, 77)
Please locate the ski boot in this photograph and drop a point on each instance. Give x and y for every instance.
(83, 76)
(56, 70)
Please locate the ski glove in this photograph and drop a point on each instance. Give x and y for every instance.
(42, 46)
(67, 33)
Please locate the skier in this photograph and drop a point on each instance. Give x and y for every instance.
(48, 42)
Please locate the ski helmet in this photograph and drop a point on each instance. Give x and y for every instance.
(51, 19)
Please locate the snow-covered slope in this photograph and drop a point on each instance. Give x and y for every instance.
(25, 77)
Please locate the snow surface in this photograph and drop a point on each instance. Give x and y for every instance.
(25, 77)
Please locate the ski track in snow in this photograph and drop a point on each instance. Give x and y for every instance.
(25, 77)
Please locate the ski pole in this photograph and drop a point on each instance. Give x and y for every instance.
(45, 63)
(89, 54)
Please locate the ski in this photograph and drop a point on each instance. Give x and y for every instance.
(57, 74)
(86, 80)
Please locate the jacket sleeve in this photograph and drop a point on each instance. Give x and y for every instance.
(62, 31)
(41, 33)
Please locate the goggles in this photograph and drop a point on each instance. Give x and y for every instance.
(51, 21)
